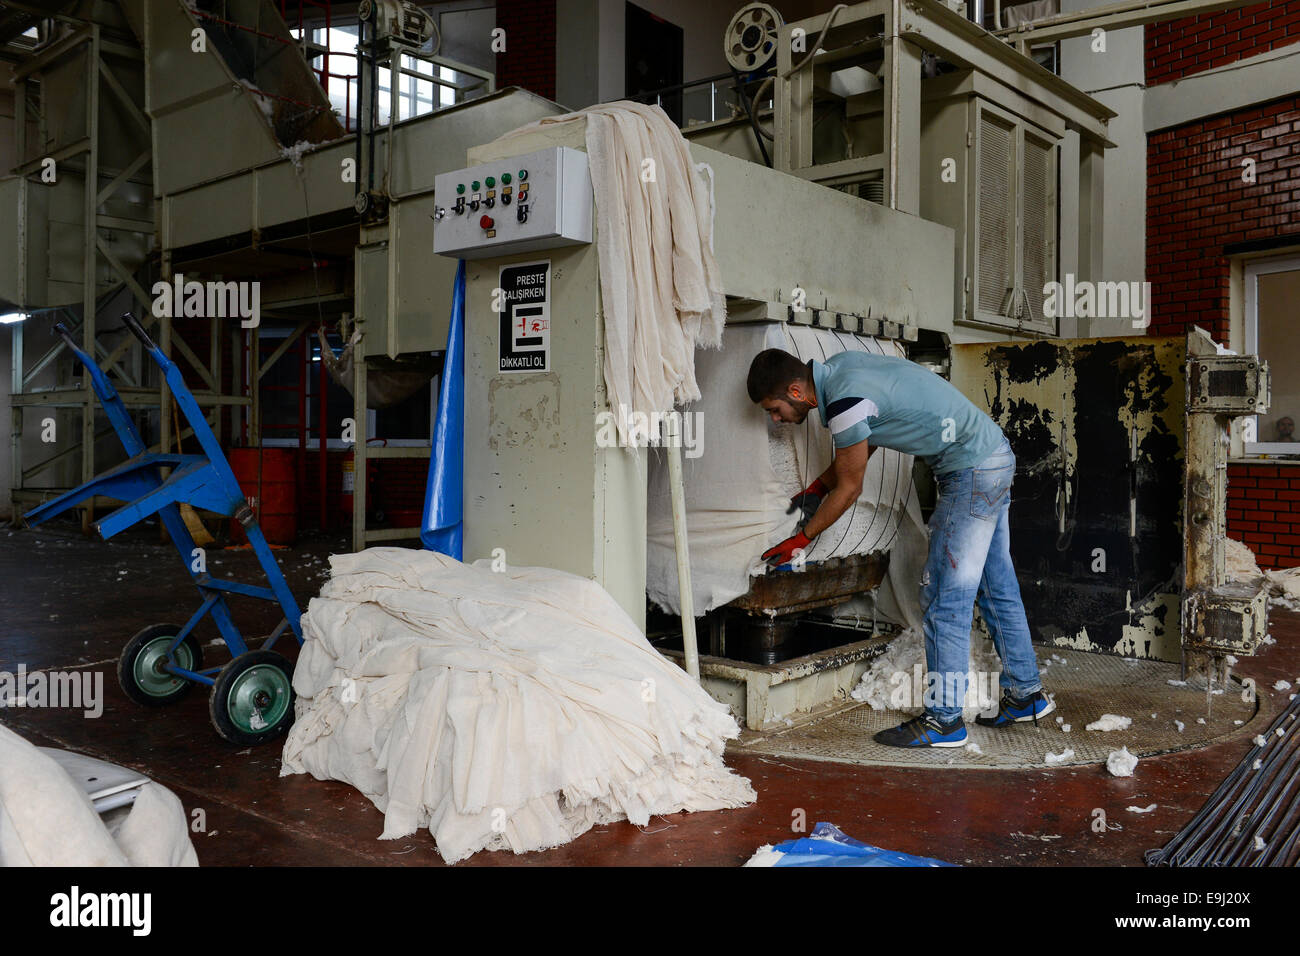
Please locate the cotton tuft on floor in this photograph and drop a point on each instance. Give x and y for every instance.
(500, 709)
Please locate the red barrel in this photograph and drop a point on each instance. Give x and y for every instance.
(269, 479)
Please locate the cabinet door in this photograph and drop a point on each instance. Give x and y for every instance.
(994, 218)
(1012, 239)
(1037, 232)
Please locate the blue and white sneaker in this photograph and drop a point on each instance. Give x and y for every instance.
(924, 731)
(1016, 710)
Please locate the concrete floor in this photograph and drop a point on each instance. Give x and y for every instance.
(71, 602)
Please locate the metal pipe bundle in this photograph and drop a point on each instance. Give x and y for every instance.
(1254, 802)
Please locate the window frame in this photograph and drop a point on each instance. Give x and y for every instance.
(1251, 271)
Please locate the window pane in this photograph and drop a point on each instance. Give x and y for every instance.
(1278, 293)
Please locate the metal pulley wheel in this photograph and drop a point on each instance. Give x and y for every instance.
(751, 37)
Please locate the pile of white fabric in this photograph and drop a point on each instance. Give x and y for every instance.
(46, 819)
(501, 709)
(660, 287)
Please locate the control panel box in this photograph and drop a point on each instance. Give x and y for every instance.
(535, 201)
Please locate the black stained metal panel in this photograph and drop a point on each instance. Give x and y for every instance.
(1095, 424)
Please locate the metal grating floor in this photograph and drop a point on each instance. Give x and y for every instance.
(1084, 685)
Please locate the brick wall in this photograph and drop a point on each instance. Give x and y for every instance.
(1197, 206)
(1262, 505)
(1197, 203)
(529, 60)
(1178, 48)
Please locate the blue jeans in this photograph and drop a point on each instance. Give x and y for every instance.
(970, 560)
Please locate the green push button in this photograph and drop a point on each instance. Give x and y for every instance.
(491, 181)
(505, 179)
(460, 188)
(474, 185)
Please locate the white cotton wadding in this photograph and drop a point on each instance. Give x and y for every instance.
(1109, 722)
(1180, 725)
(260, 99)
(1065, 728)
(1200, 720)
(1238, 722)
(1282, 685)
(1239, 561)
(1260, 844)
(1230, 660)
(1154, 716)
(1121, 763)
(896, 680)
(294, 153)
(256, 721)
(1176, 683)
(1260, 740)
(1142, 809)
(765, 855)
(974, 748)
(1268, 639)
(1257, 764)
(1053, 760)
(1060, 720)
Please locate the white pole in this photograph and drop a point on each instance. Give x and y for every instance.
(673, 443)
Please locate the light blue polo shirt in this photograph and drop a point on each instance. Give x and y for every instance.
(901, 405)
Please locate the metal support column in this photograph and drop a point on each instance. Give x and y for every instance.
(90, 210)
(902, 71)
(1091, 205)
(359, 446)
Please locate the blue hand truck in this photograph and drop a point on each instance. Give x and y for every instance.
(251, 700)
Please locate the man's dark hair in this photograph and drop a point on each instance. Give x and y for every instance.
(771, 373)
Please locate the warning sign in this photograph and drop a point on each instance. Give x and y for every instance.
(526, 317)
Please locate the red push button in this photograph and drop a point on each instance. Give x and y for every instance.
(486, 222)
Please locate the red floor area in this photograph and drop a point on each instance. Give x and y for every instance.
(67, 603)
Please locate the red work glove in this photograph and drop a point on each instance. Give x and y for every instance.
(783, 553)
(808, 500)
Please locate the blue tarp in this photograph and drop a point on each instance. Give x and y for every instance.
(443, 527)
(827, 845)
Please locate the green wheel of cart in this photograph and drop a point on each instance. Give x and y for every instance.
(140, 665)
(252, 699)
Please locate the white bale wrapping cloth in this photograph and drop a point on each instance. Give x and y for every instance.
(501, 709)
(46, 819)
(660, 286)
(743, 470)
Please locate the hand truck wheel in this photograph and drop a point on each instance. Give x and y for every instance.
(140, 665)
(252, 699)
